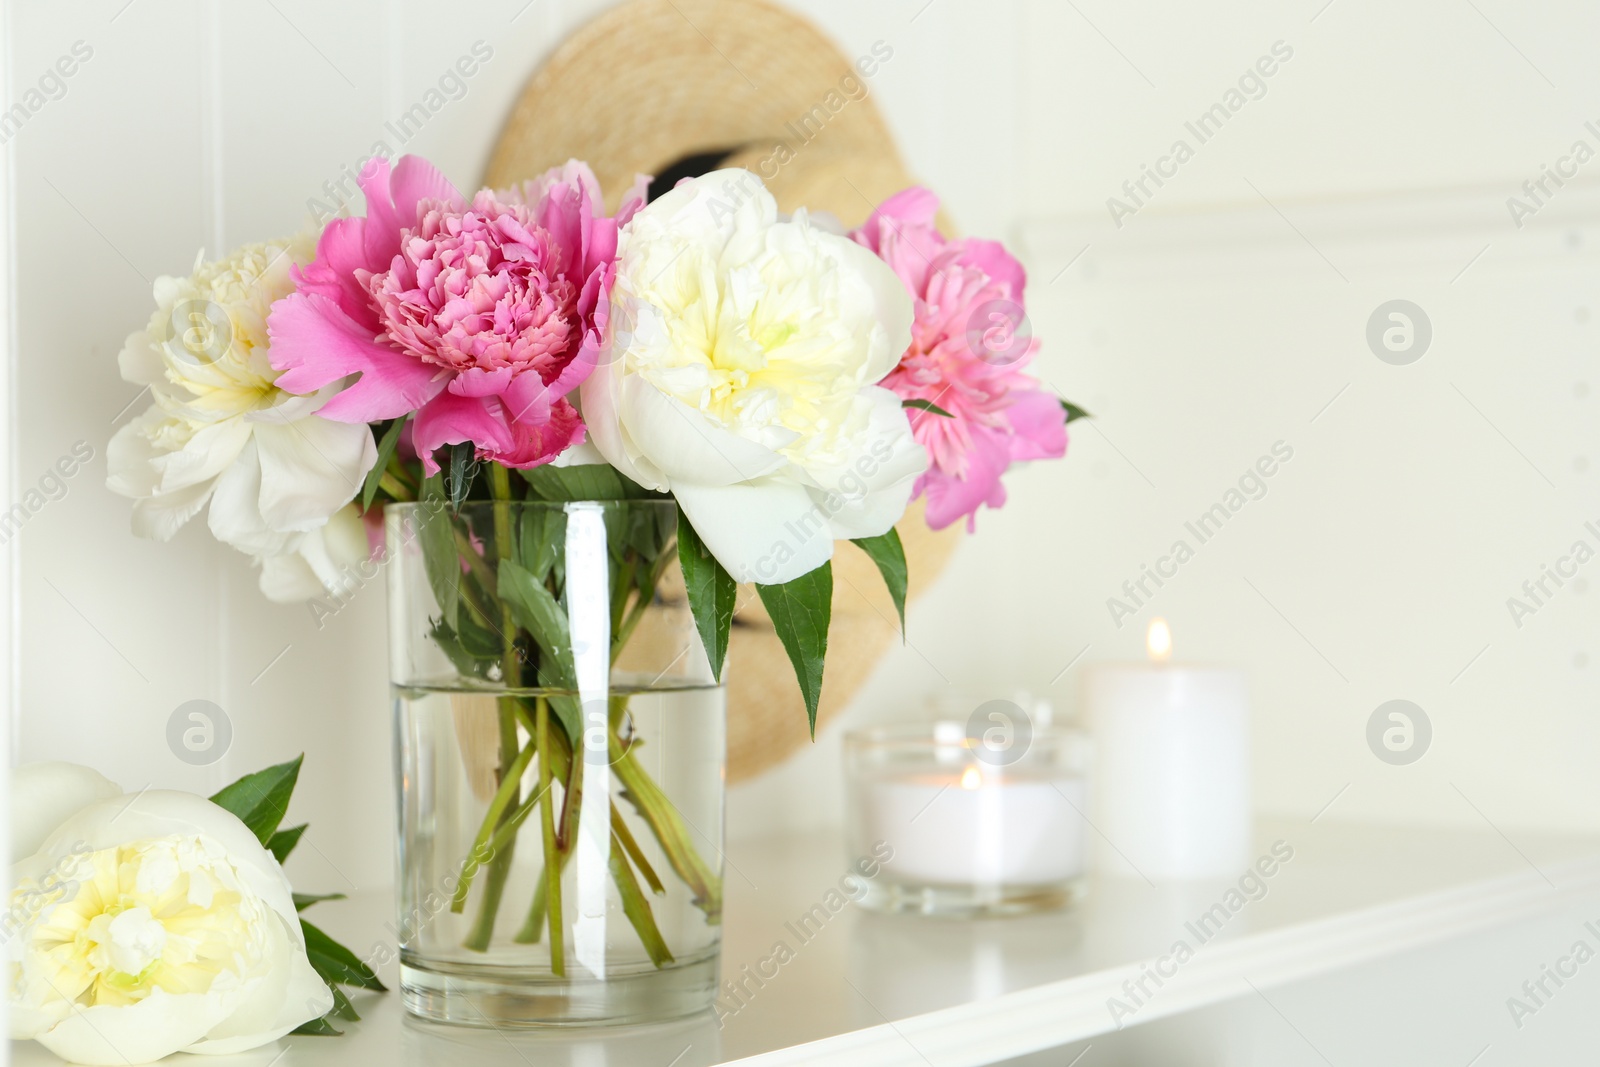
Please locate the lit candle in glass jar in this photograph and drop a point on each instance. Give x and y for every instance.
(971, 832)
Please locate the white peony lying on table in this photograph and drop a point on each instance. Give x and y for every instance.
(149, 924)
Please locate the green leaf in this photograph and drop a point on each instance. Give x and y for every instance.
(260, 800)
(800, 612)
(1074, 411)
(536, 610)
(585, 481)
(543, 531)
(451, 646)
(282, 843)
(318, 1027)
(461, 473)
(642, 534)
(302, 901)
(887, 552)
(926, 405)
(438, 539)
(342, 1006)
(568, 711)
(712, 592)
(386, 447)
(479, 636)
(335, 963)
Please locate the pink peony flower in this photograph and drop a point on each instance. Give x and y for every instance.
(968, 349)
(477, 318)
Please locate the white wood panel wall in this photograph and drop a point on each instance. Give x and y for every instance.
(198, 123)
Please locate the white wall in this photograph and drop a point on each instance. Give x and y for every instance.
(1199, 333)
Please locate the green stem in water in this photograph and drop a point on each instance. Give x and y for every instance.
(483, 846)
(482, 931)
(636, 907)
(547, 830)
(561, 767)
(571, 801)
(635, 853)
(668, 826)
(497, 836)
(641, 916)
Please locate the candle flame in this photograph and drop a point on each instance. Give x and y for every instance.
(1158, 640)
(971, 778)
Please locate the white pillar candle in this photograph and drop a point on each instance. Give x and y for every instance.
(1172, 766)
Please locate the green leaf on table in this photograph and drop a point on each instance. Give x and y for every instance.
(318, 1027)
(282, 843)
(1074, 411)
(302, 901)
(461, 472)
(342, 1006)
(926, 405)
(439, 556)
(712, 592)
(800, 612)
(386, 447)
(890, 556)
(335, 963)
(260, 800)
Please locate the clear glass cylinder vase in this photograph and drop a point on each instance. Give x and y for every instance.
(559, 758)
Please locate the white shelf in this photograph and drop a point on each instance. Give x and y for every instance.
(891, 990)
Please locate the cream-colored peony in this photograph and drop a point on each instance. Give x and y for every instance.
(220, 430)
(152, 924)
(740, 375)
(43, 795)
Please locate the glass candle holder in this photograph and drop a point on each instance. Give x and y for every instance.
(964, 824)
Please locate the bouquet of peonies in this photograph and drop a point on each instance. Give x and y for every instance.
(786, 386)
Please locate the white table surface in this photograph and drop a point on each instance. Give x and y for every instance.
(892, 989)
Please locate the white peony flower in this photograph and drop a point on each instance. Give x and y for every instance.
(44, 794)
(326, 561)
(221, 431)
(153, 924)
(740, 375)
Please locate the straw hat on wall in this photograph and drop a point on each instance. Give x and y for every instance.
(673, 88)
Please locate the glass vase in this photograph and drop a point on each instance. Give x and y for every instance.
(559, 758)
